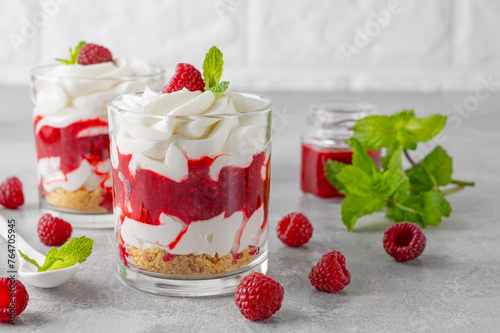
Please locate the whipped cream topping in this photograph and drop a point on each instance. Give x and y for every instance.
(88, 88)
(171, 128)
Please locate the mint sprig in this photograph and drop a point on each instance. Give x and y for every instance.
(415, 195)
(212, 71)
(76, 250)
(73, 58)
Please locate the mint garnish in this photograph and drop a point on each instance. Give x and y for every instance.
(212, 71)
(73, 55)
(415, 195)
(76, 250)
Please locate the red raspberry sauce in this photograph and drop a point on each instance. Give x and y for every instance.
(197, 197)
(313, 177)
(65, 143)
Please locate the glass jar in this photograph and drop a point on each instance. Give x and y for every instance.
(329, 125)
(72, 140)
(191, 195)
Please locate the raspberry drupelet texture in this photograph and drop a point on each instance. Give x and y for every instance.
(53, 231)
(258, 296)
(19, 298)
(294, 229)
(11, 193)
(186, 76)
(330, 273)
(91, 54)
(404, 241)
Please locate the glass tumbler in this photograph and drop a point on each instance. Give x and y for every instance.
(191, 197)
(72, 141)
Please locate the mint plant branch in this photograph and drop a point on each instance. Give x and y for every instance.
(413, 195)
(461, 184)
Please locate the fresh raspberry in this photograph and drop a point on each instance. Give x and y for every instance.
(294, 229)
(11, 193)
(404, 241)
(11, 306)
(53, 231)
(94, 54)
(258, 296)
(186, 76)
(330, 273)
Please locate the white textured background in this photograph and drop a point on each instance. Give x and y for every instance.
(424, 45)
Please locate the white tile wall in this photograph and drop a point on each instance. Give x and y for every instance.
(423, 45)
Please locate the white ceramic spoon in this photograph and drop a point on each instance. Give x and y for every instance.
(28, 273)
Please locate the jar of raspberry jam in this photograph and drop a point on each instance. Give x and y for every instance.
(329, 125)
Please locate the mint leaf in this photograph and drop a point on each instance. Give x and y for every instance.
(212, 67)
(355, 206)
(399, 130)
(332, 169)
(426, 208)
(362, 160)
(433, 171)
(426, 128)
(375, 132)
(73, 55)
(76, 250)
(355, 181)
(393, 159)
(73, 251)
(28, 259)
(388, 182)
(219, 88)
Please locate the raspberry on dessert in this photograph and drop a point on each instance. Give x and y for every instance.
(12, 293)
(94, 54)
(186, 76)
(330, 273)
(294, 229)
(404, 241)
(11, 193)
(53, 231)
(258, 296)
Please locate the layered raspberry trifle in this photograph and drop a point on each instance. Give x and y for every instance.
(191, 176)
(71, 126)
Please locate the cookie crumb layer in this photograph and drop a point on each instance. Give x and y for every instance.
(158, 261)
(81, 200)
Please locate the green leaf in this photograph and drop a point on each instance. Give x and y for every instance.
(426, 128)
(219, 88)
(355, 180)
(212, 67)
(389, 182)
(401, 129)
(393, 159)
(28, 259)
(375, 132)
(73, 55)
(362, 160)
(76, 250)
(332, 169)
(426, 208)
(433, 171)
(355, 206)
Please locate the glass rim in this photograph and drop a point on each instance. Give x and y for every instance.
(265, 108)
(38, 72)
(343, 106)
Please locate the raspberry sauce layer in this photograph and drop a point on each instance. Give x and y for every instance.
(313, 176)
(75, 143)
(145, 195)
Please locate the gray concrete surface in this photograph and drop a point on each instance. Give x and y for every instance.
(453, 287)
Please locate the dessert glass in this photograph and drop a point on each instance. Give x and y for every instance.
(191, 197)
(71, 135)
